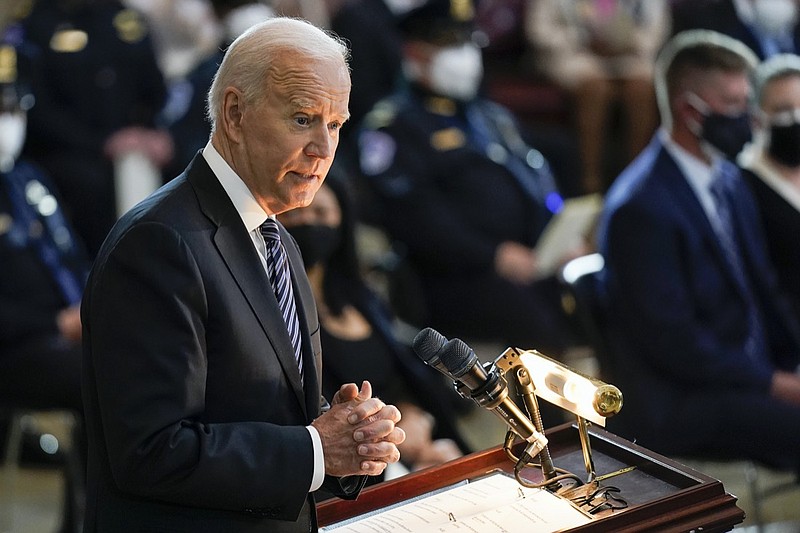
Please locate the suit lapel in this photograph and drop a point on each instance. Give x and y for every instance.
(755, 257)
(687, 202)
(306, 311)
(237, 251)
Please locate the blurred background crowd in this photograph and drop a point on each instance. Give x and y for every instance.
(473, 123)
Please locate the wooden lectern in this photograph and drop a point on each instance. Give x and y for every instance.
(662, 495)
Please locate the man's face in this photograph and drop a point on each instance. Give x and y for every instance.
(726, 93)
(288, 138)
(711, 113)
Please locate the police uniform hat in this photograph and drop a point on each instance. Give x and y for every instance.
(440, 22)
(13, 94)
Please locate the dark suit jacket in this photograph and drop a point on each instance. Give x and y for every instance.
(194, 407)
(678, 318)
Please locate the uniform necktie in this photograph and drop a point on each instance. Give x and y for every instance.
(281, 280)
(720, 189)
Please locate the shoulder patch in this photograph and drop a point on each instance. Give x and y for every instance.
(381, 115)
(377, 150)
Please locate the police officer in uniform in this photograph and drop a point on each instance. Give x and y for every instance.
(99, 91)
(448, 174)
(43, 273)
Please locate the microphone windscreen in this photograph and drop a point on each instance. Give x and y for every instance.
(427, 344)
(457, 357)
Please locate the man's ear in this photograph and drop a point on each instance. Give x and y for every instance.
(232, 113)
(685, 112)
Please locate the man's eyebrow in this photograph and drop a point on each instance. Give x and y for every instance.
(301, 104)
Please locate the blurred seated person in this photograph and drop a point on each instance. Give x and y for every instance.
(448, 175)
(370, 26)
(704, 346)
(183, 32)
(772, 165)
(602, 52)
(357, 335)
(188, 120)
(98, 92)
(768, 27)
(44, 269)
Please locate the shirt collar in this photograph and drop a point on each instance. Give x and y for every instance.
(696, 171)
(698, 174)
(243, 200)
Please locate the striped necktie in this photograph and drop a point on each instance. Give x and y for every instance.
(721, 186)
(281, 280)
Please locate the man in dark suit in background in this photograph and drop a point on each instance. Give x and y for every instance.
(705, 349)
(203, 410)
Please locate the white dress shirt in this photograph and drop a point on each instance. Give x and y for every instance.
(253, 216)
(700, 176)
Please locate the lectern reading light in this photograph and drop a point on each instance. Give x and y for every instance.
(533, 375)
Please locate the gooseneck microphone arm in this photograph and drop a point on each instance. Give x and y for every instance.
(456, 360)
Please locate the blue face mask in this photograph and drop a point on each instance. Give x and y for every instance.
(727, 133)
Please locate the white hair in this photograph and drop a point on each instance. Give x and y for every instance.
(250, 57)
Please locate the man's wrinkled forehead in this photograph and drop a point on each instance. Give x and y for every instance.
(306, 83)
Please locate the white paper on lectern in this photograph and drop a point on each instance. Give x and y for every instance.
(566, 230)
(493, 504)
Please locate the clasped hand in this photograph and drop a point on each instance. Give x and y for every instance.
(359, 433)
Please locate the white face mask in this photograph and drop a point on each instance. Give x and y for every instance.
(456, 71)
(775, 17)
(401, 7)
(242, 18)
(12, 137)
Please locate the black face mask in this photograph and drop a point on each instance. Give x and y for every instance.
(784, 144)
(726, 133)
(316, 242)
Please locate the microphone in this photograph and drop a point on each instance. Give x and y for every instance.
(456, 360)
(428, 345)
